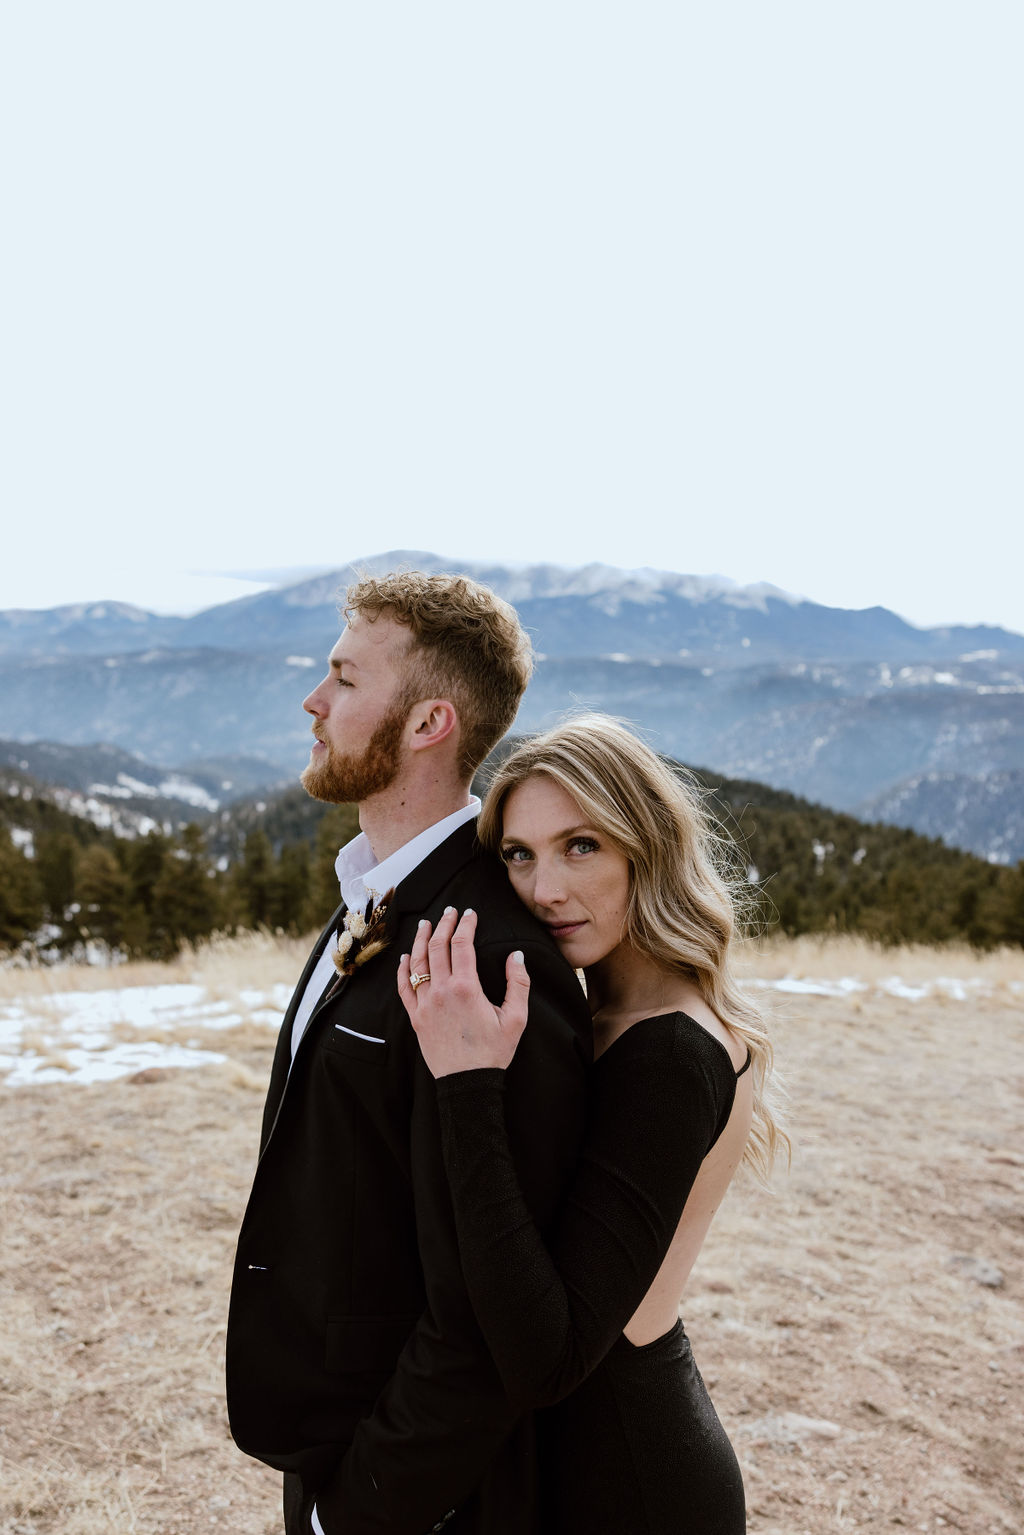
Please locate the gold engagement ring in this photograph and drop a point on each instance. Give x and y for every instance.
(416, 980)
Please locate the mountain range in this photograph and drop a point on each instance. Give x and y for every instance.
(852, 708)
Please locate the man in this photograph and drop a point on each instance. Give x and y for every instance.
(354, 1361)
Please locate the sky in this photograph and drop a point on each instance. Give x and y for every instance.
(724, 289)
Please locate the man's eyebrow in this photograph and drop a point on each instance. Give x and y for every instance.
(337, 662)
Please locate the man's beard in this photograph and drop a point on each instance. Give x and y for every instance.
(348, 779)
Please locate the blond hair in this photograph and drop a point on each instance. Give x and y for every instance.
(683, 904)
(468, 646)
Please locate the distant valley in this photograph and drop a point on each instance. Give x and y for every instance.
(857, 710)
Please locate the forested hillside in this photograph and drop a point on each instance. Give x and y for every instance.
(66, 883)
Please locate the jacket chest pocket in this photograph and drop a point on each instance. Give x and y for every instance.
(342, 1039)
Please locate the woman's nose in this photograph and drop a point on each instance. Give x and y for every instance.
(548, 887)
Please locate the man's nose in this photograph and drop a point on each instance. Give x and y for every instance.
(313, 704)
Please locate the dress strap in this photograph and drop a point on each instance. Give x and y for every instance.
(745, 1065)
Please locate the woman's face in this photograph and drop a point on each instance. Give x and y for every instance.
(570, 876)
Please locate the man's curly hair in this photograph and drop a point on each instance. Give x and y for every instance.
(468, 646)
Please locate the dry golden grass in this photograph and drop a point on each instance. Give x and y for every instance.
(832, 1298)
(813, 957)
(223, 965)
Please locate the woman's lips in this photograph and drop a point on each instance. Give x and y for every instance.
(563, 929)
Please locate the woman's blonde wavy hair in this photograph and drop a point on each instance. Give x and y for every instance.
(684, 906)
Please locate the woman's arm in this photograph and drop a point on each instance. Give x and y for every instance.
(551, 1305)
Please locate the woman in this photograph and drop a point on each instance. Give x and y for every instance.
(613, 853)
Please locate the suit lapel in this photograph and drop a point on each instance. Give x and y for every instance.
(414, 894)
(283, 1054)
(418, 890)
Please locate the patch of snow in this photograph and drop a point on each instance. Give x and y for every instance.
(894, 987)
(805, 987)
(23, 838)
(176, 787)
(91, 1065)
(79, 1030)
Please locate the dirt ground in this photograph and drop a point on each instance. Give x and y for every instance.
(861, 1327)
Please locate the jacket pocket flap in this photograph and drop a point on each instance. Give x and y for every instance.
(366, 1342)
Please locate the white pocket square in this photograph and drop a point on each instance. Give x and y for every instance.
(373, 1039)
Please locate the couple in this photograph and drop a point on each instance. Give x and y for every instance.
(455, 1300)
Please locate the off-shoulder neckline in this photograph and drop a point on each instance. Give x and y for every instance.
(687, 1018)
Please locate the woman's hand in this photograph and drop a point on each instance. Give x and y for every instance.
(457, 1027)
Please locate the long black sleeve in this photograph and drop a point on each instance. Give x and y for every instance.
(659, 1098)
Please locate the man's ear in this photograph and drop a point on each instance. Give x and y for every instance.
(430, 722)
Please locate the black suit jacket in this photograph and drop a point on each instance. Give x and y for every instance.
(353, 1356)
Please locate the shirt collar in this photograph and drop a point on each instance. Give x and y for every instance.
(363, 879)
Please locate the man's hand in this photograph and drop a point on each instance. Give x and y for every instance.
(457, 1027)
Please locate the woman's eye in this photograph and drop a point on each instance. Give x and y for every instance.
(583, 845)
(515, 854)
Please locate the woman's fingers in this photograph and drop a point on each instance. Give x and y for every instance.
(463, 954)
(405, 990)
(418, 960)
(514, 1010)
(458, 1029)
(439, 959)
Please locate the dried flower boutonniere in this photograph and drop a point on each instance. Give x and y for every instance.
(362, 937)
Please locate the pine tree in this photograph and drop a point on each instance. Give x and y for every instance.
(102, 887)
(21, 896)
(185, 896)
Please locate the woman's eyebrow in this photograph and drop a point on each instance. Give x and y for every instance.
(558, 836)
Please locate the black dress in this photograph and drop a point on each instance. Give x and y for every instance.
(634, 1445)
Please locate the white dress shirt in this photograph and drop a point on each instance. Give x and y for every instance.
(362, 879)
